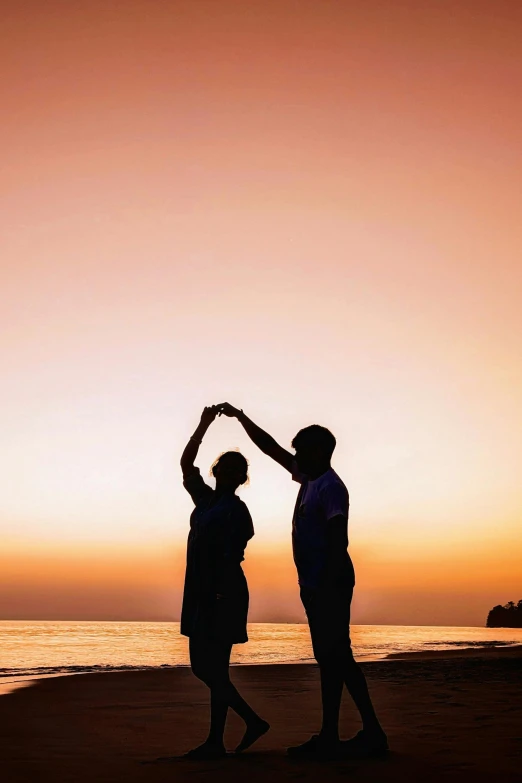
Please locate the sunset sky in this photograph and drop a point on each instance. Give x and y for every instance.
(309, 208)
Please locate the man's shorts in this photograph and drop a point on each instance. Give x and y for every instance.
(328, 614)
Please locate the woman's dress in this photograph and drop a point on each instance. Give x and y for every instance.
(215, 596)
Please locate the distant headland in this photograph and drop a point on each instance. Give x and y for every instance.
(507, 616)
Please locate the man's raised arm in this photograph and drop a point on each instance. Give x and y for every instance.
(262, 439)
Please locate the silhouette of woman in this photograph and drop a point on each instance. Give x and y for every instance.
(215, 598)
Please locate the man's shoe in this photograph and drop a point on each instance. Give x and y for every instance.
(366, 745)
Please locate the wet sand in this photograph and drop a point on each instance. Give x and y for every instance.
(454, 717)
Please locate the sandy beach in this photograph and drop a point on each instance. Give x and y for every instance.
(449, 717)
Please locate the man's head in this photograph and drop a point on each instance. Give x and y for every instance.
(314, 446)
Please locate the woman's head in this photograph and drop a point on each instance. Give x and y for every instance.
(230, 470)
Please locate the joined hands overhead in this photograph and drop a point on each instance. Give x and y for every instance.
(209, 414)
(226, 409)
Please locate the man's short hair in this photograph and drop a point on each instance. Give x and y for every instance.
(316, 437)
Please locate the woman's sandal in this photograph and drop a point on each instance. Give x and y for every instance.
(206, 752)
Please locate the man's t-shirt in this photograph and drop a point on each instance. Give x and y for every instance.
(318, 501)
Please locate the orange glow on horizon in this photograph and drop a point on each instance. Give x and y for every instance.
(98, 583)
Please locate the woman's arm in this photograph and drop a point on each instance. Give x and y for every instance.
(191, 449)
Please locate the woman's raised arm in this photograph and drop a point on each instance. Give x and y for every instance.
(191, 449)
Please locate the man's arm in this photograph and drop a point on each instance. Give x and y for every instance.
(262, 439)
(336, 503)
(336, 557)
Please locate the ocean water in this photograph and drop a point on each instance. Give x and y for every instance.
(39, 649)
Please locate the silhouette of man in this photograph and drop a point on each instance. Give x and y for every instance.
(326, 580)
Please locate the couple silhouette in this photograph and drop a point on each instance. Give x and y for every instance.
(215, 599)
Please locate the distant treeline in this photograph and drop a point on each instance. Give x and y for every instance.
(508, 616)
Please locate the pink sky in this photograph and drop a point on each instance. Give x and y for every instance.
(312, 209)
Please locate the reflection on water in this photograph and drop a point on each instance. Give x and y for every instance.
(40, 648)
